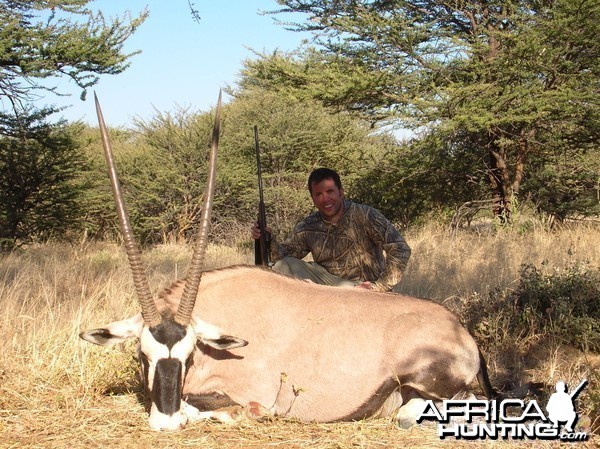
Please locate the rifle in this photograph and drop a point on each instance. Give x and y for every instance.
(262, 246)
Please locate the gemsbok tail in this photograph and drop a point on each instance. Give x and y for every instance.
(484, 380)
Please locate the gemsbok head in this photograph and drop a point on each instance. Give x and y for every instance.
(167, 340)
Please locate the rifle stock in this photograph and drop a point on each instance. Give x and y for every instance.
(262, 246)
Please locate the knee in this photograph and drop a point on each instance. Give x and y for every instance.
(286, 265)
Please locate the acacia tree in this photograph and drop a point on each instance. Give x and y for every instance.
(40, 39)
(165, 172)
(39, 185)
(514, 77)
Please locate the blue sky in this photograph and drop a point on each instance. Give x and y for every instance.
(183, 63)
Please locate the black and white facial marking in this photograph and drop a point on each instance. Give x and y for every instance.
(164, 353)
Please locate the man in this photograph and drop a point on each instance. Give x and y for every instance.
(347, 241)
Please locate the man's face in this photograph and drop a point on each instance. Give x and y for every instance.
(328, 199)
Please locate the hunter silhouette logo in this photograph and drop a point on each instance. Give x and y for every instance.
(560, 405)
(473, 419)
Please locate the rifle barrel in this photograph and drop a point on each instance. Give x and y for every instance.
(262, 245)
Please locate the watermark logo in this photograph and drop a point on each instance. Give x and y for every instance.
(509, 418)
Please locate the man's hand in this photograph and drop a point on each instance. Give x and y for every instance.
(365, 285)
(256, 231)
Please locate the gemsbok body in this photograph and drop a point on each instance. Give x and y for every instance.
(249, 337)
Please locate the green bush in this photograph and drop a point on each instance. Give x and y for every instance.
(40, 194)
(565, 303)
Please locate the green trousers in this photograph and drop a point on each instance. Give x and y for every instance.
(310, 271)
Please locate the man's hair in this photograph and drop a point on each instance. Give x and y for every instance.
(321, 174)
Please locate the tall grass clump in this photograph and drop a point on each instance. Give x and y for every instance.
(563, 305)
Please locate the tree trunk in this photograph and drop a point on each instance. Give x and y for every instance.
(501, 186)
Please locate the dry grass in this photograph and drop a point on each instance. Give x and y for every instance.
(445, 265)
(58, 391)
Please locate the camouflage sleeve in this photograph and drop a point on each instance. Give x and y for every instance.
(294, 245)
(397, 251)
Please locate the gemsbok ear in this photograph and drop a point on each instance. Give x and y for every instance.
(223, 342)
(115, 332)
(214, 337)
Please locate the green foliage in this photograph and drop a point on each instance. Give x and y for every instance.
(548, 309)
(162, 170)
(514, 83)
(41, 39)
(295, 137)
(566, 187)
(43, 173)
(39, 190)
(163, 165)
(504, 95)
(564, 304)
(165, 173)
(411, 181)
(99, 215)
(333, 81)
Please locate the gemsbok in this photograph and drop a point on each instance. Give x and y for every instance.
(244, 341)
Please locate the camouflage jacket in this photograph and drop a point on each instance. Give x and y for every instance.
(353, 248)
